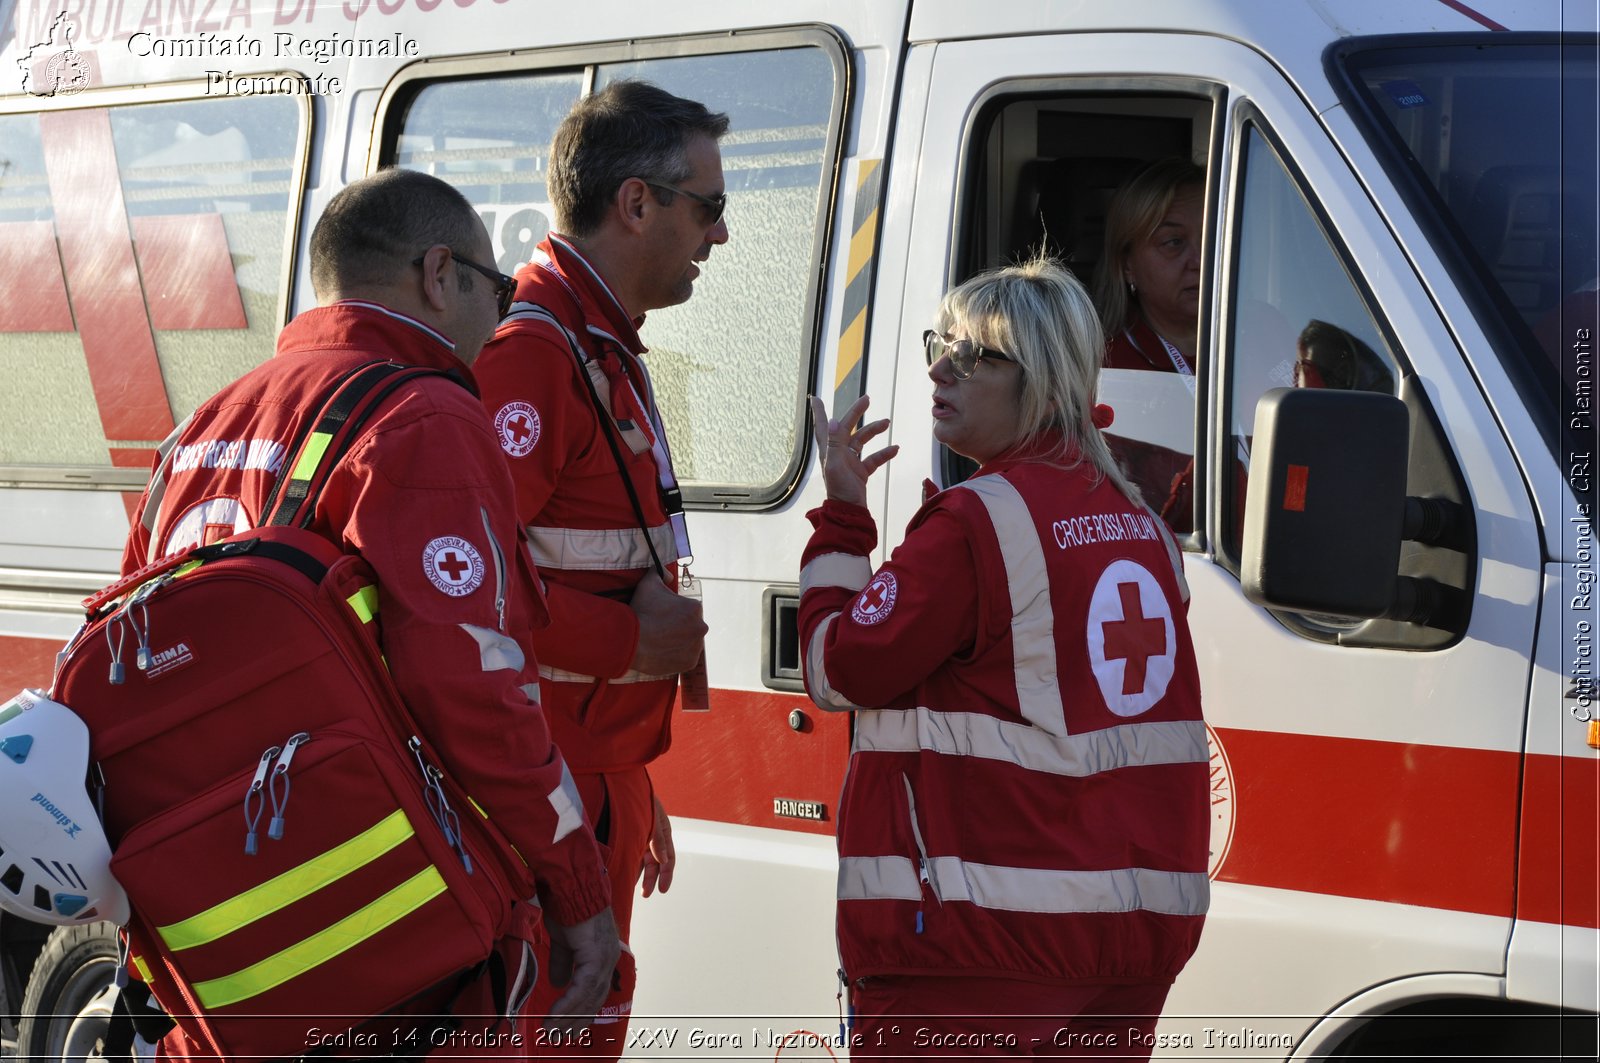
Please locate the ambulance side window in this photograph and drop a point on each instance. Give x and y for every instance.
(1297, 318)
(144, 251)
(490, 138)
(731, 365)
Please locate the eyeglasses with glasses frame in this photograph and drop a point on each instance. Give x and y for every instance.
(964, 354)
(715, 204)
(505, 288)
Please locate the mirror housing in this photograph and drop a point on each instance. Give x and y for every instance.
(1326, 502)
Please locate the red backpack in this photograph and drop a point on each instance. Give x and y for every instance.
(293, 854)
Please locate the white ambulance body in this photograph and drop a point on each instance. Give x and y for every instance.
(1404, 853)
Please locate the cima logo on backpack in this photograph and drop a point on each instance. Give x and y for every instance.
(292, 853)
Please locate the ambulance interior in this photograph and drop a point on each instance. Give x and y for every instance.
(1041, 171)
(1041, 174)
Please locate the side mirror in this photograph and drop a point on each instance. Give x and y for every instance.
(1325, 509)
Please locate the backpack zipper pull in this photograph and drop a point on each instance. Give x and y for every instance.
(254, 793)
(117, 673)
(450, 821)
(443, 815)
(143, 657)
(280, 805)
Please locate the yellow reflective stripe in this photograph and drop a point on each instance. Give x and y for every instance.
(365, 603)
(323, 946)
(850, 369)
(316, 446)
(477, 806)
(186, 568)
(144, 971)
(294, 884)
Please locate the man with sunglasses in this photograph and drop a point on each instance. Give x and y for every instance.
(636, 181)
(423, 497)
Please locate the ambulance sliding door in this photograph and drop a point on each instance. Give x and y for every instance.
(1339, 760)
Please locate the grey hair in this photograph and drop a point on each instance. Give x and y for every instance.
(628, 129)
(1039, 314)
(1133, 214)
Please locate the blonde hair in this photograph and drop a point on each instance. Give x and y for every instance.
(1039, 314)
(1133, 214)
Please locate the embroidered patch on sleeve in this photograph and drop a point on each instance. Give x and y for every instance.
(205, 523)
(875, 603)
(517, 425)
(453, 565)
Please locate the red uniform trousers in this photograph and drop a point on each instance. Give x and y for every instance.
(621, 807)
(963, 1017)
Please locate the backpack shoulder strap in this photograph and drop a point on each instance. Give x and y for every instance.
(345, 407)
(325, 440)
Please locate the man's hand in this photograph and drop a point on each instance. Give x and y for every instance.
(582, 957)
(659, 856)
(671, 631)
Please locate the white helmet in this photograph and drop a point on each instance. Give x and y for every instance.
(55, 862)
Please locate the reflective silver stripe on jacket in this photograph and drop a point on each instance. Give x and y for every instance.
(567, 804)
(1027, 889)
(1033, 620)
(561, 675)
(599, 549)
(496, 652)
(970, 734)
(850, 571)
(822, 692)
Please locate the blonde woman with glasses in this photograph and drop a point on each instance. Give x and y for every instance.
(1023, 828)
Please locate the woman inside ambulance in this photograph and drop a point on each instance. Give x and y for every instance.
(1147, 286)
(1023, 828)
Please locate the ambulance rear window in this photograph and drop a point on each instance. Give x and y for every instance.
(144, 247)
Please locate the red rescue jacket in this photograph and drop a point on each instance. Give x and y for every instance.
(581, 526)
(1027, 790)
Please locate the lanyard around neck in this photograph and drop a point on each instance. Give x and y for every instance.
(1180, 364)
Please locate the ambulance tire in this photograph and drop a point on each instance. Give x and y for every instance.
(67, 1007)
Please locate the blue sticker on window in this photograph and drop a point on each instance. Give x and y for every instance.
(1405, 93)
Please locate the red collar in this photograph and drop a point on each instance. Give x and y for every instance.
(370, 327)
(1142, 340)
(1046, 446)
(574, 273)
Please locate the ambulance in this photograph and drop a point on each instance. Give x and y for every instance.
(1400, 688)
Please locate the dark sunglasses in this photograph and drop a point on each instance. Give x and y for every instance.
(505, 288)
(714, 204)
(964, 354)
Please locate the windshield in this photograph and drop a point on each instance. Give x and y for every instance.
(1495, 142)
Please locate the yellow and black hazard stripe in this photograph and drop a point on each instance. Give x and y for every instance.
(850, 377)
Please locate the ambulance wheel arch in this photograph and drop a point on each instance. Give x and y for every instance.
(68, 1003)
(1448, 1015)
